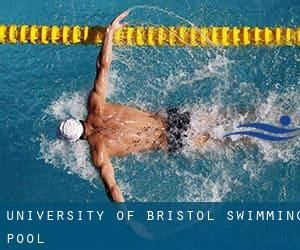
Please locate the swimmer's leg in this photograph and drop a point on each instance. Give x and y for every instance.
(200, 140)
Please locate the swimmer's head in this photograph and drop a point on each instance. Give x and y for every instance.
(70, 130)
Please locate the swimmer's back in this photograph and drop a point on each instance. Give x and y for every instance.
(126, 130)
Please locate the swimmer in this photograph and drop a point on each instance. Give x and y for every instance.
(114, 130)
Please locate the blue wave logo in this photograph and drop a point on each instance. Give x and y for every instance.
(279, 133)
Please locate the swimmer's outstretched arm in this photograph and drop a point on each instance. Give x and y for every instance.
(103, 164)
(105, 56)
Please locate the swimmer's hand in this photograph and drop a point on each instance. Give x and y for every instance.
(115, 24)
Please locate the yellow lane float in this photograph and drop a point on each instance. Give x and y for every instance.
(152, 35)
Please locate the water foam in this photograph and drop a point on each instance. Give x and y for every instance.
(72, 157)
(216, 172)
(218, 120)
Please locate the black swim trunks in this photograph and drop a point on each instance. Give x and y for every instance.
(177, 125)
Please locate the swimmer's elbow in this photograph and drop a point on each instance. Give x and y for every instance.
(99, 163)
(105, 63)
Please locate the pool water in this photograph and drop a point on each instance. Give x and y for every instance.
(43, 84)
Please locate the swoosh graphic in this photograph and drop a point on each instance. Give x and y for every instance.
(269, 128)
(262, 136)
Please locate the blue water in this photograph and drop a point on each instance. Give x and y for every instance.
(42, 84)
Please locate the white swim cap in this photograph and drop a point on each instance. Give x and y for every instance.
(70, 130)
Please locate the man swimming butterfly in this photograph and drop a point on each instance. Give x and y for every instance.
(117, 130)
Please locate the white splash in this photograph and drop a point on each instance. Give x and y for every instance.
(200, 188)
(68, 105)
(72, 157)
(217, 121)
(188, 182)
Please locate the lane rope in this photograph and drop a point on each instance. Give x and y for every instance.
(152, 35)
